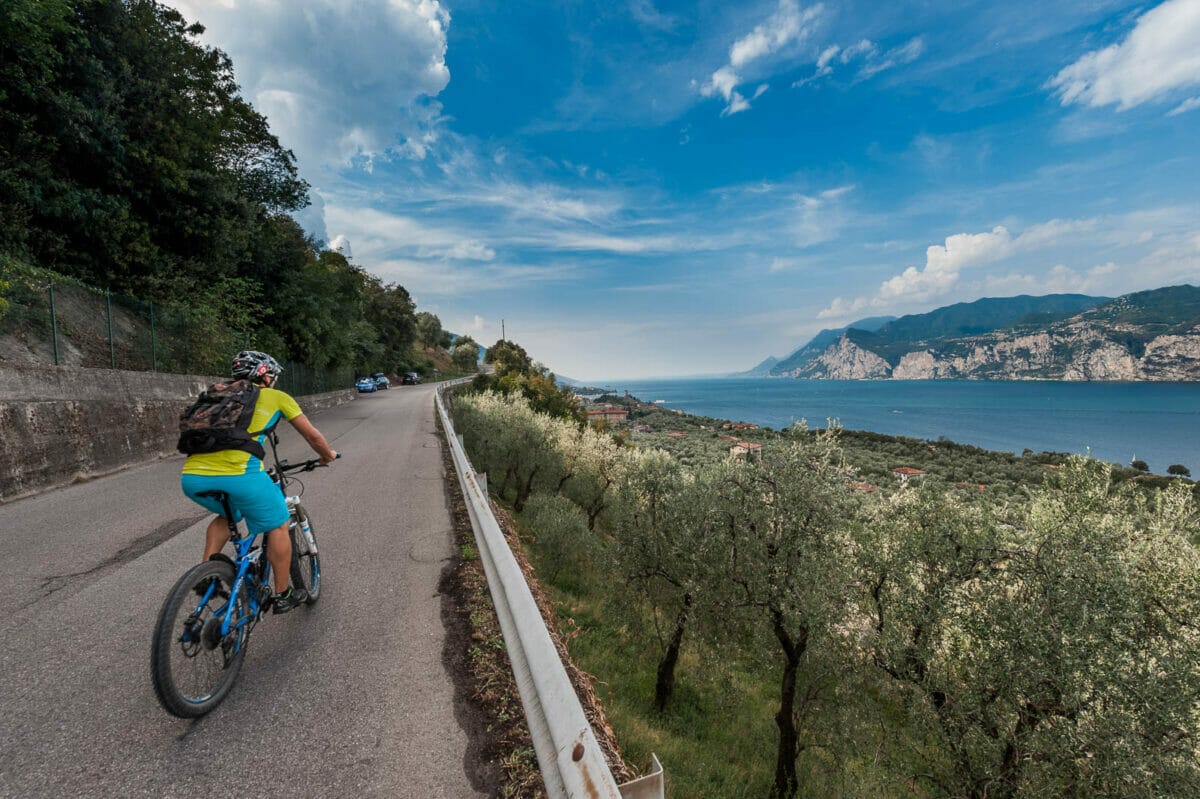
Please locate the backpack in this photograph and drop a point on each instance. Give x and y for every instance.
(220, 420)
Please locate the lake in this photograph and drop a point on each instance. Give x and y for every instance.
(1155, 422)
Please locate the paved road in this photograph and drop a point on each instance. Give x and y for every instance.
(349, 697)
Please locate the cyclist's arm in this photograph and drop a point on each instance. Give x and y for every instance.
(314, 438)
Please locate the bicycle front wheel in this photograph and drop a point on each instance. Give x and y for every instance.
(306, 565)
(192, 665)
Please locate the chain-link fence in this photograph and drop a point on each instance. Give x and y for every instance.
(47, 318)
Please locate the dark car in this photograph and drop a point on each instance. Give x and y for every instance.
(410, 379)
(381, 381)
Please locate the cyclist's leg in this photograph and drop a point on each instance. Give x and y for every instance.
(279, 553)
(216, 536)
(217, 533)
(261, 503)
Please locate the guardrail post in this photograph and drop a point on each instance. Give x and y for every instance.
(53, 324)
(481, 478)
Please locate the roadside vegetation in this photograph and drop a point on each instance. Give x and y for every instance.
(770, 628)
(132, 164)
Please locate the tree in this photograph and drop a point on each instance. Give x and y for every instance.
(465, 355)
(1050, 654)
(662, 535)
(1140, 466)
(510, 440)
(429, 329)
(509, 358)
(788, 524)
(593, 465)
(1179, 470)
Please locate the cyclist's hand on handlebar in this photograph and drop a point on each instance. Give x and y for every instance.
(326, 461)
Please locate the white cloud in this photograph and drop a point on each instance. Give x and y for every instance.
(340, 81)
(341, 244)
(445, 278)
(1159, 56)
(873, 59)
(783, 30)
(905, 54)
(1189, 104)
(1124, 240)
(943, 262)
(819, 219)
(1059, 279)
(381, 234)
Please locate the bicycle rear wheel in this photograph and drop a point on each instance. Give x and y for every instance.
(306, 565)
(192, 665)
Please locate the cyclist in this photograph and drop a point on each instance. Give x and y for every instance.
(253, 496)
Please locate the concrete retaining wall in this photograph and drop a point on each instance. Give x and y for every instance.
(63, 424)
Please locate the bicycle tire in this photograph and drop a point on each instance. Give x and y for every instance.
(185, 655)
(306, 566)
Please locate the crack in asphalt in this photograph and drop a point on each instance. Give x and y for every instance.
(134, 549)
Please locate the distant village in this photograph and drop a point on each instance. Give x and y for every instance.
(609, 411)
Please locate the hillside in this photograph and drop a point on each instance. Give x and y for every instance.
(1149, 335)
(820, 342)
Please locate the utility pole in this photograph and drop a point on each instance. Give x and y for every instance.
(502, 338)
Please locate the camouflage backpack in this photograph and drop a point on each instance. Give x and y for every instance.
(220, 420)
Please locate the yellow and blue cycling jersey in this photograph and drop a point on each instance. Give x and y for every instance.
(272, 406)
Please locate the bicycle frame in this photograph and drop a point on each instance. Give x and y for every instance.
(249, 556)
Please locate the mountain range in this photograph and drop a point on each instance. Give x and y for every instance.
(1148, 335)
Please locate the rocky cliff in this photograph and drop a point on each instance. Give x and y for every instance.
(1146, 336)
(1076, 352)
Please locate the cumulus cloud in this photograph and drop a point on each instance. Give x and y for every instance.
(1153, 247)
(341, 244)
(318, 72)
(1159, 56)
(788, 26)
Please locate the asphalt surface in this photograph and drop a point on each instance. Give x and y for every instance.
(348, 697)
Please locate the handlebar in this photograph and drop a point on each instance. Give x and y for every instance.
(305, 466)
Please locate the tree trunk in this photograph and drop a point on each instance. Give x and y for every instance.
(524, 489)
(786, 782)
(664, 686)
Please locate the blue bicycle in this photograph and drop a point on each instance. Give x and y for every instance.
(205, 623)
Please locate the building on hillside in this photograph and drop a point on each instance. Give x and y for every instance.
(609, 415)
(643, 428)
(906, 473)
(729, 439)
(746, 450)
(676, 434)
(739, 426)
(866, 488)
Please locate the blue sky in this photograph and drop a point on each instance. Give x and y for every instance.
(644, 188)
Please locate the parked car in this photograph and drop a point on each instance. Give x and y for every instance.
(381, 381)
(410, 379)
(365, 385)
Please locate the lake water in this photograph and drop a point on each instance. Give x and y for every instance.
(1155, 422)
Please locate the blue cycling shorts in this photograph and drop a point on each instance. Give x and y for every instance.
(253, 497)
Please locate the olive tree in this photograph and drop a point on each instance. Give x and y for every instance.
(593, 463)
(510, 441)
(662, 549)
(787, 566)
(1051, 654)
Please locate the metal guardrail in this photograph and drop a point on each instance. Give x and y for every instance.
(570, 758)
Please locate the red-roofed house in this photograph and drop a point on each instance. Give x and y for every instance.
(906, 473)
(746, 450)
(610, 415)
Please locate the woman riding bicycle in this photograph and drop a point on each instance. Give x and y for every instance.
(242, 476)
